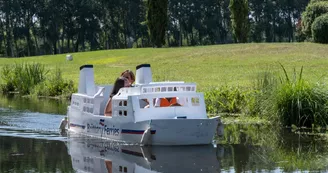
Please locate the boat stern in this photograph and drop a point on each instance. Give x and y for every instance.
(184, 131)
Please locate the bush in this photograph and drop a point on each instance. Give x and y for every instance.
(312, 11)
(22, 77)
(225, 100)
(320, 29)
(55, 85)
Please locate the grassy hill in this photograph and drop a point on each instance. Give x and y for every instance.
(234, 64)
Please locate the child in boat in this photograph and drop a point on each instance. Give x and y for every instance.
(119, 83)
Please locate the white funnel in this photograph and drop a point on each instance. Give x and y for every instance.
(87, 81)
(143, 74)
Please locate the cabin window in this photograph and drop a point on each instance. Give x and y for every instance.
(170, 89)
(123, 103)
(168, 102)
(157, 89)
(120, 113)
(125, 113)
(188, 88)
(163, 89)
(123, 169)
(143, 103)
(192, 88)
(195, 101)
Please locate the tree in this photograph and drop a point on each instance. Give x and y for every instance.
(239, 19)
(313, 10)
(157, 21)
(320, 29)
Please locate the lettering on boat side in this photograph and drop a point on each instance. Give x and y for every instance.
(102, 128)
(107, 130)
(94, 128)
(112, 131)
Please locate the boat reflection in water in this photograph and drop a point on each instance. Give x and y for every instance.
(103, 156)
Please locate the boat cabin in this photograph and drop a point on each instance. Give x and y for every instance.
(141, 101)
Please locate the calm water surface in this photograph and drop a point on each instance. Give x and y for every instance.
(30, 142)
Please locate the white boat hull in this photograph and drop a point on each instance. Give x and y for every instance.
(162, 131)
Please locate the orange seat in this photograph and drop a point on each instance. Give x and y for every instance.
(166, 103)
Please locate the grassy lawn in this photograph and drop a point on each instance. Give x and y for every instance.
(234, 64)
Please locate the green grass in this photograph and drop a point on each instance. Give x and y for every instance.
(233, 65)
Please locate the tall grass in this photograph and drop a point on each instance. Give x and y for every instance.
(301, 103)
(54, 86)
(33, 79)
(291, 100)
(22, 77)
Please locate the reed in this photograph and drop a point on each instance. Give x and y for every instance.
(22, 77)
(291, 100)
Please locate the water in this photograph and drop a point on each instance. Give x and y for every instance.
(30, 142)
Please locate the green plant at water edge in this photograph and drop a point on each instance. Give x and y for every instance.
(294, 101)
(22, 77)
(8, 78)
(225, 100)
(55, 85)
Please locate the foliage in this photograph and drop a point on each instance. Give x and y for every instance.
(301, 103)
(56, 27)
(313, 10)
(22, 77)
(225, 100)
(55, 85)
(293, 101)
(157, 21)
(314, 1)
(31, 79)
(320, 29)
(239, 18)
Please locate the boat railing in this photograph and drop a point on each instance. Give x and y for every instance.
(168, 88)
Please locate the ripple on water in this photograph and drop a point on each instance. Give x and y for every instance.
(30, 124)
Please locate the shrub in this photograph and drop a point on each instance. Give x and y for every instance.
(312, 11)
(225, 100)
(55, 85)
(320, 29)
(22, 77)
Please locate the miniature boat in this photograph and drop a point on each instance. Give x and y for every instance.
(92, 155)
(132, 120)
